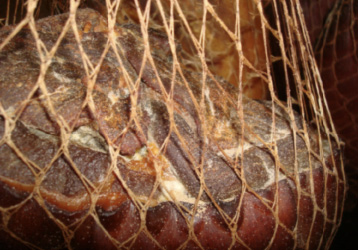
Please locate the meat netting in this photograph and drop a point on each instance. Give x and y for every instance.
(164, 124)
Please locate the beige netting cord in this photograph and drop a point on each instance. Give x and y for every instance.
(164, 124)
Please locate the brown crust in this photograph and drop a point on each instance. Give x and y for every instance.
(89, 191)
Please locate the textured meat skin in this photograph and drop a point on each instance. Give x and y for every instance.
(337, 56)
(315, 13)
(97, 207)
(333, 28)
(221, 56)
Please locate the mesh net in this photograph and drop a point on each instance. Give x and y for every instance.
(163, 125)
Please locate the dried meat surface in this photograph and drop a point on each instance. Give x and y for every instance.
(105, 129)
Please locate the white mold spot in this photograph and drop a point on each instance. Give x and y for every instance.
(61, 78)
(89, 138)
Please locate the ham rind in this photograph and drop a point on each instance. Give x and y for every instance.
(137, 157)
